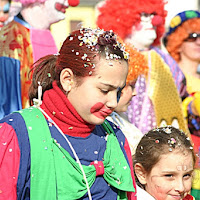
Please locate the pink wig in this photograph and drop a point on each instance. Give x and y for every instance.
(120, 16)
(27, 2)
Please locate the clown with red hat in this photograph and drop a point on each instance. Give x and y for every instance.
(141, 24)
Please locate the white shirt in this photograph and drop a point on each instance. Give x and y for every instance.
(142, 194)
(131, 132)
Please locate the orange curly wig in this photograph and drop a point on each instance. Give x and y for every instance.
(175, 39)
(120, 16)
(137, 63)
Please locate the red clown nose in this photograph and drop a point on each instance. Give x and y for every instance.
(157, 20)
(73, 2)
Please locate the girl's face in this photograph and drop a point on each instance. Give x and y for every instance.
(171, 177)
(190, 50)
(96, 97)
(127, 93)
(4, 11)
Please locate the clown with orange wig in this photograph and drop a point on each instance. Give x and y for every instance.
(23, 41)
(183, 43)
(137, 66)
(141, 24)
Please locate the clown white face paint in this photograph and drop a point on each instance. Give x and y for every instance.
(171, 177)
(4, 12)
(56, 9)
(96, 97)
(143, 34)
(46, 12)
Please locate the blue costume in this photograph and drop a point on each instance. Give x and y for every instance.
(17, 159)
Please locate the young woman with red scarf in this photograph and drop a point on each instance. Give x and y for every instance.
(62, 147)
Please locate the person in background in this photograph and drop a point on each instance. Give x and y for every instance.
(62, 147)
(141, 24)
(4, 11)
(137, 66)
(22, 42)
(182, 41)
(164, 164)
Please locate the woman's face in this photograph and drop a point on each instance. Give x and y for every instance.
(4, 12)
(127, 93)
(96, 97)
(190, 50)
(171, 177)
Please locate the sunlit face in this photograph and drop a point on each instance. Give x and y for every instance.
(96, 97)
(127, 93)
(4, 11)
(143, 34)
(56, 9)
(190, 50)
(171, 177)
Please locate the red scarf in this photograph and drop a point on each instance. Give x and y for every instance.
(61, 111)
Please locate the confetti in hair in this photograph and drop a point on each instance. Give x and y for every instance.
(173, 141)
(167, 130)
(92, 38)
(160, 141)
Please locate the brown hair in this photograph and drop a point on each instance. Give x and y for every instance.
(160, 141)
(78, 52)
(175, 39)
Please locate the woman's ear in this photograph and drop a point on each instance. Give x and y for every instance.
(140, 173)
(66, 79)
(179, 49)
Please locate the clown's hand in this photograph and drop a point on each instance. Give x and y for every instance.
(196, 103)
